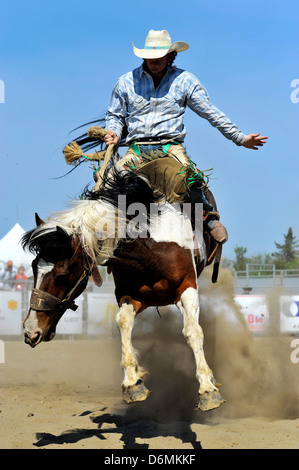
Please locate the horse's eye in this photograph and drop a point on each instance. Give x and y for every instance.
(60, 280)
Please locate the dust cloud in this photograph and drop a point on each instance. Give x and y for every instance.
(257, 376)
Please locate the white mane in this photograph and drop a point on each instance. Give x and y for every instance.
(96, 222)
(101, 225)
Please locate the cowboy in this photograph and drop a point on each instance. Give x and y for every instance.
(150, 102)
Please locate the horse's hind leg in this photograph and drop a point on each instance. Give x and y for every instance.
(209, 395)
(133, 387)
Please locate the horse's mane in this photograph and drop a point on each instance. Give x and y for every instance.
(125, 183)
(96, 219)
(82, 218)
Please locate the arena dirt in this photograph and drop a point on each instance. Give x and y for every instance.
(67, 394)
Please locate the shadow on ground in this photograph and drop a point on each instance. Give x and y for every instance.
(169, 411)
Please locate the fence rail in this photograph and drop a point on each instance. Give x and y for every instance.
(265, 271)
(97, 306)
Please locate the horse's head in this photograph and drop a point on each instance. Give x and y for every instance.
(60, 270)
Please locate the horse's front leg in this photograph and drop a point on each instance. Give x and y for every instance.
(209, 395)
(132, 387)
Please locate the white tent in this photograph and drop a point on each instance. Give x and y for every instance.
(11, 248)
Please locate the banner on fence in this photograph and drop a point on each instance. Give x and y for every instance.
(11, 313)
(254, 309)
(71, 322)
(102, 309)
(289, 314)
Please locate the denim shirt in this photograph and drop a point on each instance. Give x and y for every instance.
(159, 112)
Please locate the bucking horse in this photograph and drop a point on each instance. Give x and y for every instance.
(155, 260)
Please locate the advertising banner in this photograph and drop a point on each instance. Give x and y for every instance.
(254, 308)
(102, 309)
(289, 314)
(71, 323)
(11, 313)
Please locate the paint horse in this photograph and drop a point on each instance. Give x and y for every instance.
(153, 264)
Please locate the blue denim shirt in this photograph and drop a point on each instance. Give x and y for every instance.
(159, 112)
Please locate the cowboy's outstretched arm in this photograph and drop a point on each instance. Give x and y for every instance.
(253, 141)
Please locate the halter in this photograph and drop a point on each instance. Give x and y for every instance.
(42, 301)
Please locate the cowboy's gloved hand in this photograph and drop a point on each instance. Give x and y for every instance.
(253, 141)
(110, 138)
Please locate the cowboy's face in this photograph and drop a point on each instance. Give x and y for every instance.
(157, 66)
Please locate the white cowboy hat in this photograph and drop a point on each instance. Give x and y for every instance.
(158, 44)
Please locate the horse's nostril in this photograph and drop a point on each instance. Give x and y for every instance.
(32, 339)
(35, 337)
(27, 338)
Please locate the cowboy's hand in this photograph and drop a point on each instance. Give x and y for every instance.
(110, 138)
(253, 141)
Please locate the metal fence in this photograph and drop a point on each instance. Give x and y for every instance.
(256, 297)
(266, 270)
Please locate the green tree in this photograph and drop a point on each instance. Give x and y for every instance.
(287, 252)
(240, 261)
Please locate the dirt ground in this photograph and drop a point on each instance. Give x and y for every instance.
(67, 394)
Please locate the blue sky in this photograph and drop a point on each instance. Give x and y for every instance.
(59, 61)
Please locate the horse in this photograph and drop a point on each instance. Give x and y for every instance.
(152, 260)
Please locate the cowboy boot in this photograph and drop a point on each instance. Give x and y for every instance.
(211, 224)
(217, 230)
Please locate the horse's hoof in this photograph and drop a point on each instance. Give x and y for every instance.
(137, 392)
(210, 400)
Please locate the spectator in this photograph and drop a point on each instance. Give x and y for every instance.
(7, 275)
(19, 277)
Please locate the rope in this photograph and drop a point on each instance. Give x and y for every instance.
(73, 153)
(104, 166)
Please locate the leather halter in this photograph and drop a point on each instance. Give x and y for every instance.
(42, 301)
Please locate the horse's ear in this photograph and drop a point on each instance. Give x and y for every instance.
(38, 220)
(60, 231)
(62, 235)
